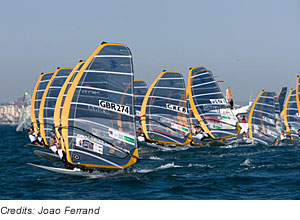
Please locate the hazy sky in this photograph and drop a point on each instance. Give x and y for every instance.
(251, 45)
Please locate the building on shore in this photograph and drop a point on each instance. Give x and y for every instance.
(9, 114)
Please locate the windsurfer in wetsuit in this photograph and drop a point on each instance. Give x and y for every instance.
(282, 135)
(55, 147)
(141, 136)
(244, 119)
(200, 134)
(33, 137)
(231, 103)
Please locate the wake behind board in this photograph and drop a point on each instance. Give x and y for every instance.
(76, 172)
(158, 146)
(48, 156)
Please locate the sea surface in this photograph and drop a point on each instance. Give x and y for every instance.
(232, 172)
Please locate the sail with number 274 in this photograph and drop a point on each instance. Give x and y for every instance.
(98, 119)
(164, 112)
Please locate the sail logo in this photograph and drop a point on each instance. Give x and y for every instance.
(217, 101)
(114, 107)
(121, 136)
(269, 120)
(176, 108)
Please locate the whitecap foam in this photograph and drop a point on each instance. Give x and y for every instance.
(247, 162)
(155, 158)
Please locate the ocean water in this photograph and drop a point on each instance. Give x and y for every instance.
(232, 172)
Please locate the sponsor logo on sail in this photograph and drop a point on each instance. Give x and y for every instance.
(114, 107)
(121, 136)
(176, 108)
(218, 101)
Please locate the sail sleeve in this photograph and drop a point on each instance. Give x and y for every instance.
(37, 97)
(98, 120)
(164, 114)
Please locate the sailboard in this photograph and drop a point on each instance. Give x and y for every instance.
(24, 121)
(164, 112)
(261, 121)
(36, 98)
(98, 119)
(208, 107)
(46, 155)
(74, 172)
(61, 98)
(48, 102)
(291, 115)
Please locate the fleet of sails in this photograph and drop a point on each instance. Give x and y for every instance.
(93, 111)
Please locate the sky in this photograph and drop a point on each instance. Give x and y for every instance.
(251, 45)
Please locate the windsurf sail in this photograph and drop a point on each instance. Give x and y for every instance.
(140, 90)
(24, 121)
(281, 97)
(164, 113)
(262, 118)
(209, 108)
(98, 119)
(48, 102)
(61, 98)
(291, 115)
(37, 95)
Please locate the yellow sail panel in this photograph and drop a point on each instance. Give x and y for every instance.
(164, 114)
(98, 126)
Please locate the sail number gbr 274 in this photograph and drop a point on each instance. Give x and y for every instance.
(123, 109)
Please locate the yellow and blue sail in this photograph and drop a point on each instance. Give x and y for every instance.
(61, 98)
(262, 119)
(208, 107)
(291, 115)
(48, 102)
(164, 112)
(98, 119)
(36, 98)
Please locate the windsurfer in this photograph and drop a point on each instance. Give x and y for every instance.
(200, 134)
(283, 135)
(231, 103)
(141, 136)
(55, 147)
(299, 133)
(33, 137)
(244, 119)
